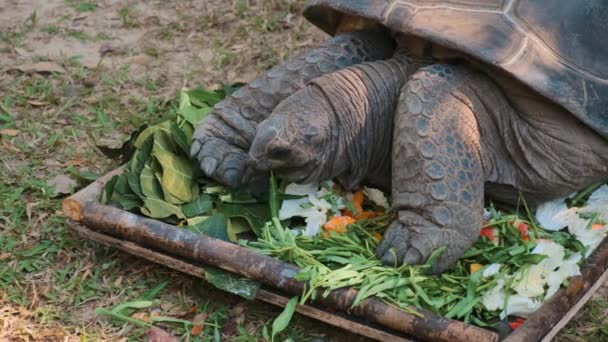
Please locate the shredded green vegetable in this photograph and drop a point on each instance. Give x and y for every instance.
(349, 260)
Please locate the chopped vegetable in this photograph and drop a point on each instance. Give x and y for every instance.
(515, 265)
(492, 234)
(475, 267)
(356, 199)
(377, 197)
(517, 323)
(491, 270)
(523, 229)
(337, 224)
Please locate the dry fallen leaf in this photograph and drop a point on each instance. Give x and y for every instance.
(75, 162)
(40, 67)
(9, 132)
(37, 103)
(63, 184)
(159, 335)
(142, 316)
(28, 210)
(196, 329)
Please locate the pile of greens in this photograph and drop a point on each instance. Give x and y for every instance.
(349, 260)
(162, 182)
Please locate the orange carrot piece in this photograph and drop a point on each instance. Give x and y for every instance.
(337, 224)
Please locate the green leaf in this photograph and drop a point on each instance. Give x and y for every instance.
(163, 138)
(120, 190)
(282, 321)
(193, 221)
(123, 318)
(255, 214)
(148, 132)
(199, 206)
(156, 208)
(180, 138)
(265, 333)
(108, 190)
(126, 149)
(204, 98)
(232, 283)
(142, 156)
(177, 173)
(139, 304)
(215, 226)
(138, 162)
(155, 291)
(194, 115)
(83, 176)
(134, 182)
(237, 225)
(129, 202)
(150, 186)
(273, 199)
(434, 257)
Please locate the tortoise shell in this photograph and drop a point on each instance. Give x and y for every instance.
(556, 47)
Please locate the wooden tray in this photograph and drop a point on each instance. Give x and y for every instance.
(185, 251)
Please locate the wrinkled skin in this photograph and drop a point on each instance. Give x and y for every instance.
(221, 143)
(457, 135)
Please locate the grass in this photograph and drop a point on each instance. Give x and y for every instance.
(51, 281)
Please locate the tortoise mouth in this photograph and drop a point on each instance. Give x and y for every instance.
(298, 174)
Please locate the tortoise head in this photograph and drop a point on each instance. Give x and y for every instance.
(300, 140)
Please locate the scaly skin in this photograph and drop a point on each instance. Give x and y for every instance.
(352, 106)
(456, 132)
(222, 141)
(437, 171)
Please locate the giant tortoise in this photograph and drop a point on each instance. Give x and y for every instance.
(443, 101)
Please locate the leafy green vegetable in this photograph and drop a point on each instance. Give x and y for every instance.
(162, 182)
(231, 283)
(157, 208)
(201, 205)
(177, 176)
(215, 226)
(282, 321)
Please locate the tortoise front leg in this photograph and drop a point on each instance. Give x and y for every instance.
(222, 141)
(437, 170)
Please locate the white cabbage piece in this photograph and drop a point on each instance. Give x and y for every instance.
(487, 215)
(491, 269)
(301, 189)
(590, 238)
(569, 268)
(376, 196)
(529, 282)
(554, 215)
(555, 256)
(494, 299)
(314, 218)
(520, 306)
(598, 203)
(312, 208)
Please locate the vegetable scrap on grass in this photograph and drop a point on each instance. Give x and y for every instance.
(519, 261)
